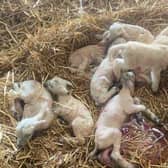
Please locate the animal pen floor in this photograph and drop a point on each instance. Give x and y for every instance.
(35, 42)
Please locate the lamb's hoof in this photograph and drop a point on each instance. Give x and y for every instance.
(131, 165)
(158, 122)
(154, 89)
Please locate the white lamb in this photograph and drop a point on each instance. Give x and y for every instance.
(140, 58)
(70, 109)
(37, 114)
(128, 32)
(102, 83)
(112, 118)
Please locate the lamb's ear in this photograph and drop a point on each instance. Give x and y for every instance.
(124, 34)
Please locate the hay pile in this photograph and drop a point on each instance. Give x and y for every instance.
(35, 43)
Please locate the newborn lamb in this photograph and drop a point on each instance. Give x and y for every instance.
(81, 59)
(112, 118)
(70, 109)
(140, 58)
(101, 86)
(37, 114)
(128, 32)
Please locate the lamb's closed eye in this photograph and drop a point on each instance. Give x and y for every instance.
(56, 82)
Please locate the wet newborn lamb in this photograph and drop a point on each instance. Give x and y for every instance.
(128, 32)
(70, 109)
(112, 118)
(81, 59)
(101, 86)
(37, 114)
(140, 57)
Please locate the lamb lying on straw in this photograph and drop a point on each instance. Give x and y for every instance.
(70, 109)
(90, 55)
(102, 83)
(112, 118)
(37, 112)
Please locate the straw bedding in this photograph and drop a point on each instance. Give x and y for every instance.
(35, 44)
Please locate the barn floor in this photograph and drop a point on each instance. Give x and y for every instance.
(35, 42)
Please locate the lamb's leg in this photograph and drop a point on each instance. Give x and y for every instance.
(106, 95)
(136, 100)
(118, 66)
(155, 76)
(94, 153)
(80, 129)
(148, 113)
(135, 108)
(116, 152)
(151, 116)
(42, 124)
(110, 93)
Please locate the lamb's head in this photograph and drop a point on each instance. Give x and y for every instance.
(25, 88)
(58, 86)
(25, 130)
(128, 80)
(106, 38)
(17, 108)
(115, 31)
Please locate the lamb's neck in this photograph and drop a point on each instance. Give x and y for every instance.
(38, 117)
(125, 90)
(64, 98)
